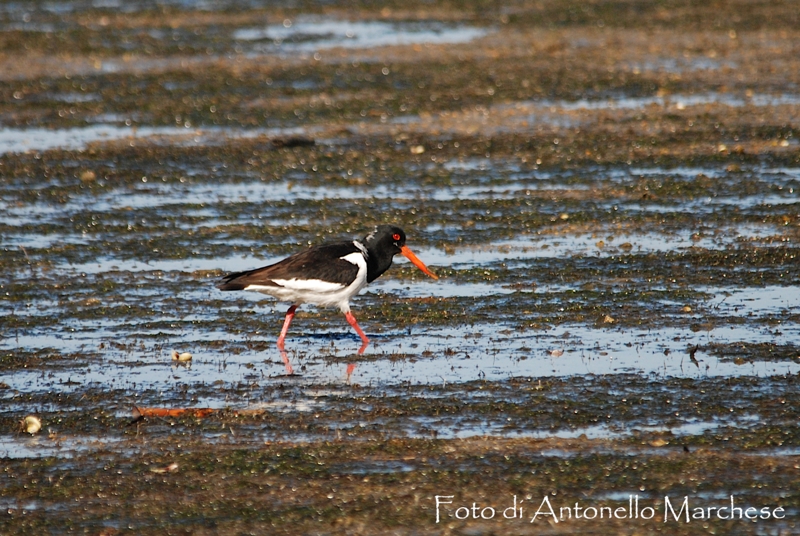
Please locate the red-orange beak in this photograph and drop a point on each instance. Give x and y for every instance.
(405, 252)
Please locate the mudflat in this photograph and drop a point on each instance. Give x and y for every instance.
(608, 191)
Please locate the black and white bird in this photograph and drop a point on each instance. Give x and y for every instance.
(327, 275)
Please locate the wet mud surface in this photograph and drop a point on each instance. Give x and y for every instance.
(608, 192)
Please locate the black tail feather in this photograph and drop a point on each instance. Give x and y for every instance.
(229, 282)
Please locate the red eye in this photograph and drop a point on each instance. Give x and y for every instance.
(395, 237)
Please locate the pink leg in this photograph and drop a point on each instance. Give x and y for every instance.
(286, 322)
(352, 321)
(286, 363)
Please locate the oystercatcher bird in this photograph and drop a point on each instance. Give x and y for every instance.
(327, 275)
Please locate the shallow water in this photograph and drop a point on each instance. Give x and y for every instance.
(25, 446)
(309, 34)
(410, 354)
(17, 140)
(403, 353)
(676, 101)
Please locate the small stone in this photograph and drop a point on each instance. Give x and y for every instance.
(417, 149)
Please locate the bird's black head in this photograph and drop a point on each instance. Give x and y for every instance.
(386, 238)
(383, 244)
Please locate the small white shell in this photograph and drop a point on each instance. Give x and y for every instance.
(31, 424)
(185, 356)
(168, 469)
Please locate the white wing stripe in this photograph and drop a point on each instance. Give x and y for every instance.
(308, 285)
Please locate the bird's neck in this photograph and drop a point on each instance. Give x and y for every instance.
(376, 265)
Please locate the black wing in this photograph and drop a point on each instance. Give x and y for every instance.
(320, 262)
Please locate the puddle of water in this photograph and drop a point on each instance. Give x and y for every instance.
(755, 301)
(154, 194)
(31, 240)
(8, 505)
(371, 467)
(16, 140)
(677, 101)
(752, 201)
(709, 205)
(188, 265)
(600, 243)
(450, 355)
(24, 446)
(783, 172)
(462, 431)
(605, 352)
(680, 65)
(684, 172)
(440, 289)
(562, 113)
(688, 428)
(789, 451)
(74, 97)
(309, 34)
(216, 198)
(470, 164)
(446, 430)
